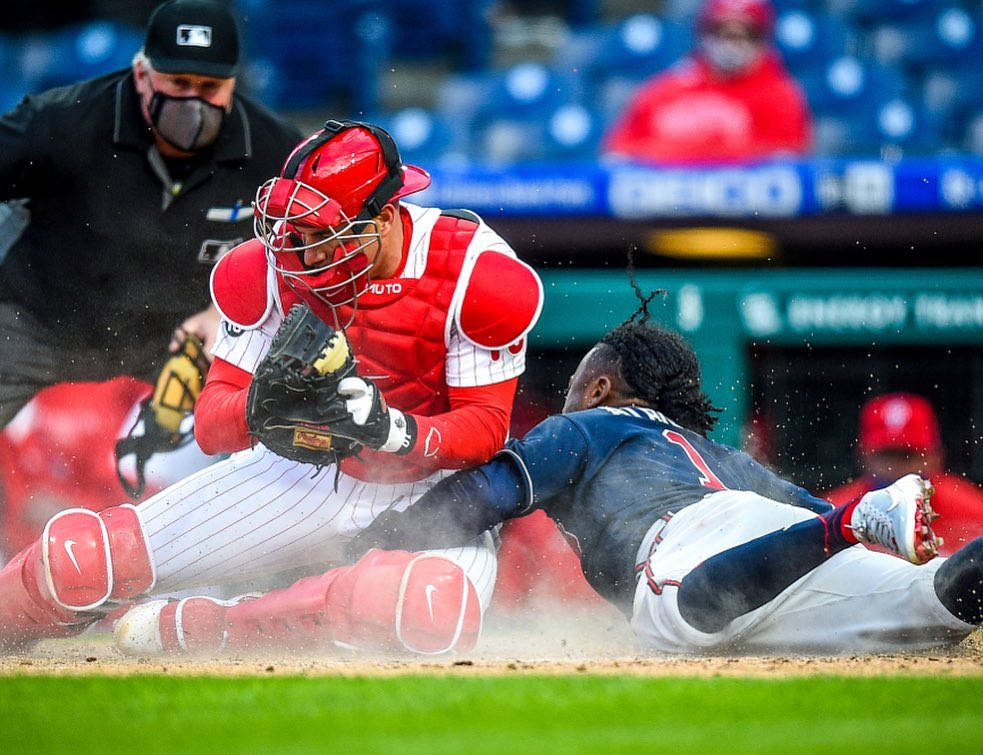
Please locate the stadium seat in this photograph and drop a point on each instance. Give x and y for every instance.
(613, 95)
(639, 45)
(49, 59)
(807, 40)
(528, 89)
(872, 11)
(304, 53)
(424, 138)
(850, 83)
(947, 35)
(428, 30)
(573, 132)
(972, 140)
(895, 123)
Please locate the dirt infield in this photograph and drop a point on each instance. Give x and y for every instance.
(593, 645)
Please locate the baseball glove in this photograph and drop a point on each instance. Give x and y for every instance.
(293, 398)
(160, 424)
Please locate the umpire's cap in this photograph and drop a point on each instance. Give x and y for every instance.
(193, 36)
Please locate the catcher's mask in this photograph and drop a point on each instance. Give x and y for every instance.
(335, 183)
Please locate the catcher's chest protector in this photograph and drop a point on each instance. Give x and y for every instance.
(398, 331)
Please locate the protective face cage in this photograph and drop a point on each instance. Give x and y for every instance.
(343, 276)
(285, 202)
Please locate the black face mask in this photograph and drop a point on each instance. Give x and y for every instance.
(186, 123)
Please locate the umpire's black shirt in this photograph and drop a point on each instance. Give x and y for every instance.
(121, 242)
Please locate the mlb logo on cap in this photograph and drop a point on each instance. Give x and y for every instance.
(194, 36)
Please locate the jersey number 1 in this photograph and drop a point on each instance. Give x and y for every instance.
(707, 478)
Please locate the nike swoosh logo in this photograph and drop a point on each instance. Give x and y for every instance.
(429, 590)
(70, 550)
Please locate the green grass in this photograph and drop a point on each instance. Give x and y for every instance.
(489, 714)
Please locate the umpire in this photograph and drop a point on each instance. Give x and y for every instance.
(136, 183)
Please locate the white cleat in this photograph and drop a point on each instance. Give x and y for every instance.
(167, 627)
(899, 519)
(137, 632)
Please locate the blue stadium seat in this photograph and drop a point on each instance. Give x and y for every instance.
(972, 140)
(894, 123)
(567, 132)
(304, 53)
(613, 95)
(508, 111)
(953, 88)
(460, 97)
(573, 132)
(506, 141)
(809, 40)
(948, 34)
(639, 45)
(50, 59)
(849, 83)
(880, 10)
(423, 137)
(528, 89)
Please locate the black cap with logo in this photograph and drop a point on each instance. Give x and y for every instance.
(193, 36)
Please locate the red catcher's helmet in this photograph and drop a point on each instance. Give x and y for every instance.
(336, 181)
(758, 14)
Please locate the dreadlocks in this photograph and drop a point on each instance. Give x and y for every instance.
(659, 366)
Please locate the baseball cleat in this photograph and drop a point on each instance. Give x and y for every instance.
(899, 518)
(158, 627)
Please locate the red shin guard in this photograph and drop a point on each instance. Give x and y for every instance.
(81, 560)
(388, 600)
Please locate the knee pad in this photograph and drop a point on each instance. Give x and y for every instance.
(438, 609)
(411, 601)
(88, 558)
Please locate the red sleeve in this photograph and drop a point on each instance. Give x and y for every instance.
(475, 428)
(631, 134)
(783, 125)
(220, 412)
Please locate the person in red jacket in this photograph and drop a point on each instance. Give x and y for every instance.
(730, 100)
(899, 434)
(436, 307)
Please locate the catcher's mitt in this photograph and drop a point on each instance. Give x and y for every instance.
(293, 397)
(159, 426)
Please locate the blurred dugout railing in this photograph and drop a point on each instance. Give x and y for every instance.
(481, 81)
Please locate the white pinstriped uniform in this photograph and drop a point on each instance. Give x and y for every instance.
(257, 513)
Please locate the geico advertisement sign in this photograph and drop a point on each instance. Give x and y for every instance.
(774, 191)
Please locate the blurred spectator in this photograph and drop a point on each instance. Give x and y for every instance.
(135, 183)
(899, 434)
(731, 99)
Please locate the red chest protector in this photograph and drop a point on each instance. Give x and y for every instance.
(398, 338)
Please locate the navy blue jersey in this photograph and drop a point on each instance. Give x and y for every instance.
(605, 475)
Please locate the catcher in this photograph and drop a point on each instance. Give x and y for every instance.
(327, 431)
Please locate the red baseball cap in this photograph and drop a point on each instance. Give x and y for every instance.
(899, 421)
(758, 14)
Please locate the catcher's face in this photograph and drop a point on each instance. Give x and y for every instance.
(381, 247)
